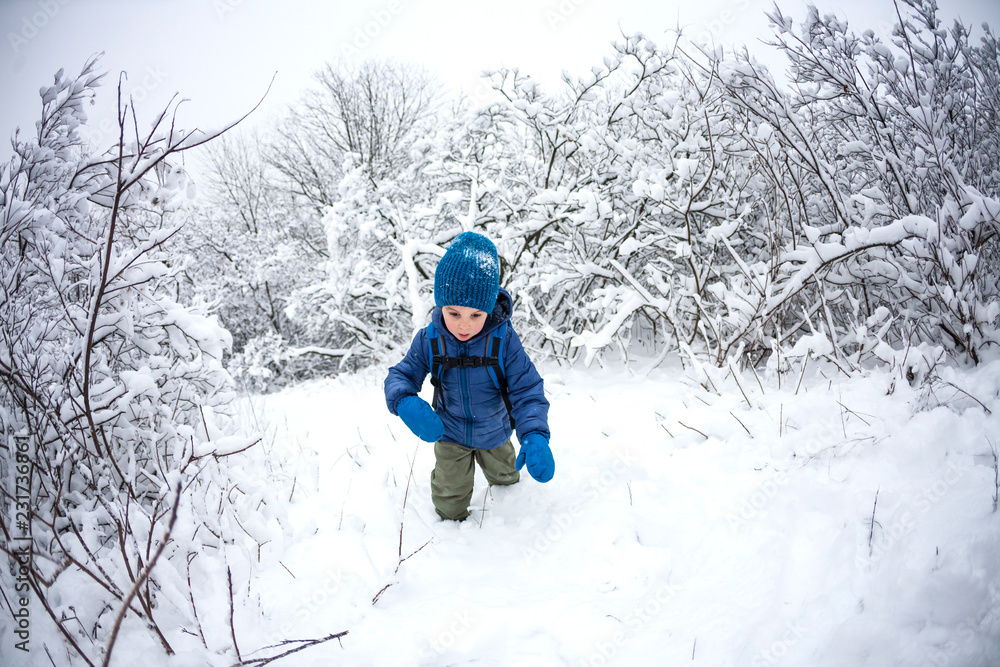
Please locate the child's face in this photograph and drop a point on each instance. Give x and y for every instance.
(463, 323)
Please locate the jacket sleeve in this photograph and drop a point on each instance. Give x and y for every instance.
(407, 377)
(525, 388)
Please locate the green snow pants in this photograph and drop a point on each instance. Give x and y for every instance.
(454, 472)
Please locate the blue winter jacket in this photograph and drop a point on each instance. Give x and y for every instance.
(474, 413)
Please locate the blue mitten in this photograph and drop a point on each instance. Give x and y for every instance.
(420, 418)
(536, 453)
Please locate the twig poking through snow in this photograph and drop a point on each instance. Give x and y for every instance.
(143, 576)
(692, 429)
(759, 383)
(843, 422)
(805, 362)
(741, 424)
(402, 522)
(733, 371)
(488, 494)
(996, 474)
(396, 571)
(306, 643)
(406, 494)
(847, 409)
(955, 386)
(871, 529)
(194, 608)
(232, 627)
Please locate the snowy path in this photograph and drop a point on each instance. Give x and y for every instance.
(683, 526)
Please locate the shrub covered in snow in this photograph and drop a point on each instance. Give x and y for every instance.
(112, 393)
(674, 200)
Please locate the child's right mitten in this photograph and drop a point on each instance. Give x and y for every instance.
(420, 418)
(536, 453)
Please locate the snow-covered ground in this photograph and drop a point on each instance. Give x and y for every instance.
(826, 522)
(829, 521)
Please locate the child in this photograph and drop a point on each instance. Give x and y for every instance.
(469, 421)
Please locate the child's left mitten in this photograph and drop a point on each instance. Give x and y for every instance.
(420, 418)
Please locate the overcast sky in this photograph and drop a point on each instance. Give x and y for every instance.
(221, 54)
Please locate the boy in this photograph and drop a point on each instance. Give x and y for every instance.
(470, 421)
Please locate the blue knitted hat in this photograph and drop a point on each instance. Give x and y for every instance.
(468, 274)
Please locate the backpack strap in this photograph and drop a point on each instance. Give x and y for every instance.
(437, 364)
(496, 368)
(493, 361)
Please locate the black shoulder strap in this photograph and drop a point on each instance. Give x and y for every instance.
(498, 375)
(437, 365)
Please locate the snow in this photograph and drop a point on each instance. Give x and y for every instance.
(697, 515)
(724, 526)
(818, 343)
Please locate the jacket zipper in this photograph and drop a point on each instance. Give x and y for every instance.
(463, 351)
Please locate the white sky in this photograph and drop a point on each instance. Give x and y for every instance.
(221, 54)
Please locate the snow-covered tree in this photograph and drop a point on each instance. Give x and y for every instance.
(272, 274)
(690, 201)
(679, 200)
(882, 162)
(375, 110)
(256, 244)
(112, 393)
(612, 190)
(384, 236)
